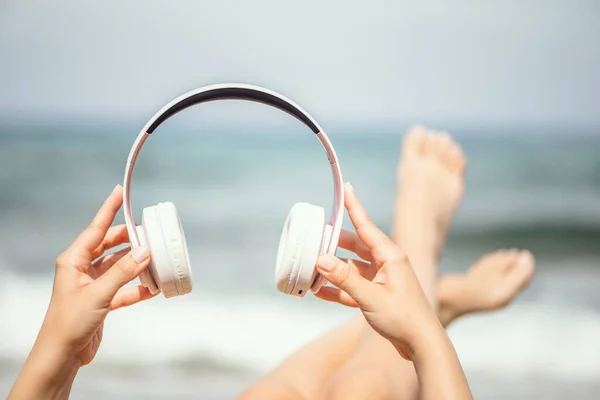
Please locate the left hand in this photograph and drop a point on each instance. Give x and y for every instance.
(85, 291)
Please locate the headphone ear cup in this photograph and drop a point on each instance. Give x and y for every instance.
(170, 265)
(146, 277)
(299, 248)
(319, 281)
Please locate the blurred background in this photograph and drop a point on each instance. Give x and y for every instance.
(517, 84)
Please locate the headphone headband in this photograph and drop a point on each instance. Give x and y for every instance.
(235, 91)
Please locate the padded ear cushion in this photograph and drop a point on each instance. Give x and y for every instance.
(170, 264)
(146, 277)
(319, 281)
(299, 248)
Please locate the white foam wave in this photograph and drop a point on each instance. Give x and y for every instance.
(531, 340)
(249, 332)
(258, 332)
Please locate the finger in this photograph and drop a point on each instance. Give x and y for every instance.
(104, 263)
(346, 278)
(92, 236)
(115, 236)
(129, 296)
(366, 270)
(367, 232)
(123, 271)
(350, 241)
(336, 295)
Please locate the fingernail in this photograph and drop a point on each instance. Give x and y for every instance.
(140, 254)
(326, 262)
(116, 187)
(349, 187)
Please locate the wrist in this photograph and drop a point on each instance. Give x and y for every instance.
(54, 355)
(430, 339)
(54, 339)
(437, 366)
(52, 360)
(431, 345)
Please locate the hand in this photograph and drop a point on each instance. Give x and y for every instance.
(386, 288)
(85, 291)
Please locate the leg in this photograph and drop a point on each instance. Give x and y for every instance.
(421, 171)
(304, 373)
(430, 187)
(491, 283)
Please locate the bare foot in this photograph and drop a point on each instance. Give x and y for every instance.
(491, 283)
(430, 185)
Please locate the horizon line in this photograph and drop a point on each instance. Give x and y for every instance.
(349, 127)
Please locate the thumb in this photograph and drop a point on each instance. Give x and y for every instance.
(125, 270)
(343, 276)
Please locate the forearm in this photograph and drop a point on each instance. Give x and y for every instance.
(48, 373)
(438, 369)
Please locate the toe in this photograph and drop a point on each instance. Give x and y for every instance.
(495, 256)
(510, 257)
(446, 148)
(414, 139)
(415, 129)
(499, 261)
(522, 272)
(526, 262)
(419, 142)
(429, 145)
(443, 142)
(513, 252)
(448, 151)
(455, 158)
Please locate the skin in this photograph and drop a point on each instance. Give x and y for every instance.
(430, 186)
(84, 293)
(377, 288)
(491, 283)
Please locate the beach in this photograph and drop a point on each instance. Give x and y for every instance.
(523, 189)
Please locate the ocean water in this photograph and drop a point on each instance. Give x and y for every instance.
(525, 188)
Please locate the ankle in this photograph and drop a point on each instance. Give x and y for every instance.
(451, 303)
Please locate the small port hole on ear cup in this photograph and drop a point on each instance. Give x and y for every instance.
(300, 292)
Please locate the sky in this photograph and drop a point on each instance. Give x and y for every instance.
(529, 62)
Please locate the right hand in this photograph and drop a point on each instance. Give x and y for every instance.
(386, 288)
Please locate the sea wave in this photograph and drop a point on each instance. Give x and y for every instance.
(211, 332)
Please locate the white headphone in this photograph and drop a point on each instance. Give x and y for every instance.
(305, 234)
